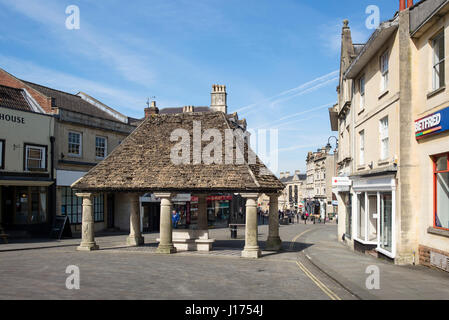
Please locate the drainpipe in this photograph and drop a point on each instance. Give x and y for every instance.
(52, 189)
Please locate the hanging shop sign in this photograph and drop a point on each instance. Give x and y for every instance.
(432, 124)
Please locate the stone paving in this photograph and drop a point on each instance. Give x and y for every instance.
(311, 259)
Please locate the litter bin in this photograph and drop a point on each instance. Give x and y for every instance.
(234, 232)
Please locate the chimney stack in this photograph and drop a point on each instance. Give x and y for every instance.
(219, 98)
(187, 109)
(153, 110)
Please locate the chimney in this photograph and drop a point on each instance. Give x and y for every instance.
(187, 109)
(402, 5)
(297, 172)
(218, 98)
(153, 110)
(409, 3)
(281, 175)
(287, 174)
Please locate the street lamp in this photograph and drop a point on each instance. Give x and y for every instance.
(328, 146)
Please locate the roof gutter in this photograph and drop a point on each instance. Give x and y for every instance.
(374, 44)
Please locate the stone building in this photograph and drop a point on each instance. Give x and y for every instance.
(390, 118)
(27, 179)
(177, 162)
(293, 195)
(320, 170)
(85, 132)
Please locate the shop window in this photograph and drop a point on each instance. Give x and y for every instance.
(361, 217)
(384, 68)
(30, 205)
(100, 147)
(438, 61)
(99, 208)
(72, 206)
(75, 144)
(348, 203)
(35, 158)
(2, 154)
(386, 221)
(441, 192)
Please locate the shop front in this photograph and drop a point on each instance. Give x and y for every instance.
(373, 211)
(218, 211)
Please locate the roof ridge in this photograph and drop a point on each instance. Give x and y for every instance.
(53, 89)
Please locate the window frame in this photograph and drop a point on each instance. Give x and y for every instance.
(435, 195)
(105, 147)
(44, 149)
(2, 154)
(435, 63)
(384, 57)
(362, 93)
(381, 138)
(362, 148)
(80, 144)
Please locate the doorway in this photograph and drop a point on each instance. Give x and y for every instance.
(151, 216)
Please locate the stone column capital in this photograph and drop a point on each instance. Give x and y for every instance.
(84, 194)
(163, 195)
(250, 195)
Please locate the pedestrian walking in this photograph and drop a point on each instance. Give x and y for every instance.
(175, 219)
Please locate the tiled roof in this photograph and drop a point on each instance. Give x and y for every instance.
(13, 98)
(142, 163)
(301, 177)
(71, 102)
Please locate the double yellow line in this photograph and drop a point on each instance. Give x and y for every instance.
(319, 284)
(309, 274)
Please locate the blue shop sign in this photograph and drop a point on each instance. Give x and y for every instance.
(432, 124)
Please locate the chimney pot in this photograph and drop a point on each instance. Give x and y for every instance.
(409, 3)
(402, 5)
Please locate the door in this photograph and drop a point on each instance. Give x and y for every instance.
(111, 210)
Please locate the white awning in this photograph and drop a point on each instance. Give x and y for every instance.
(65, 178)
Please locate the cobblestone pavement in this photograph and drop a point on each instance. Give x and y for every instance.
(120, 272)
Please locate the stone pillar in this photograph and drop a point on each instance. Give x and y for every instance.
(202, 213)
(135, 235)
(274, 242)
(88, 234)
(251, 249)
(166, 238)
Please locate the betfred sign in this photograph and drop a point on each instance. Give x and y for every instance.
(341, 182)
(432, 124)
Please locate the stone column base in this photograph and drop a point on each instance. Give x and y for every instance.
(251, 252)
(135, 240)
(88, 247)
(166, 249)
(274, 244)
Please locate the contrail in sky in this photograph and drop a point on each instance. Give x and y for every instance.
(296, 91)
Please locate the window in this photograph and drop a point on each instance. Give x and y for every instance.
(2, 154)
(99, 208)
(384, 71)
(72, 206)
(100, 147)
(362, 92)
(438, 61)
(384, 138)
(362, 147)
(441, 192)
(361, 217)
(35, 158)
(75, 144)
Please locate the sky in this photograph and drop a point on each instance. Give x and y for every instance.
(278, 59)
